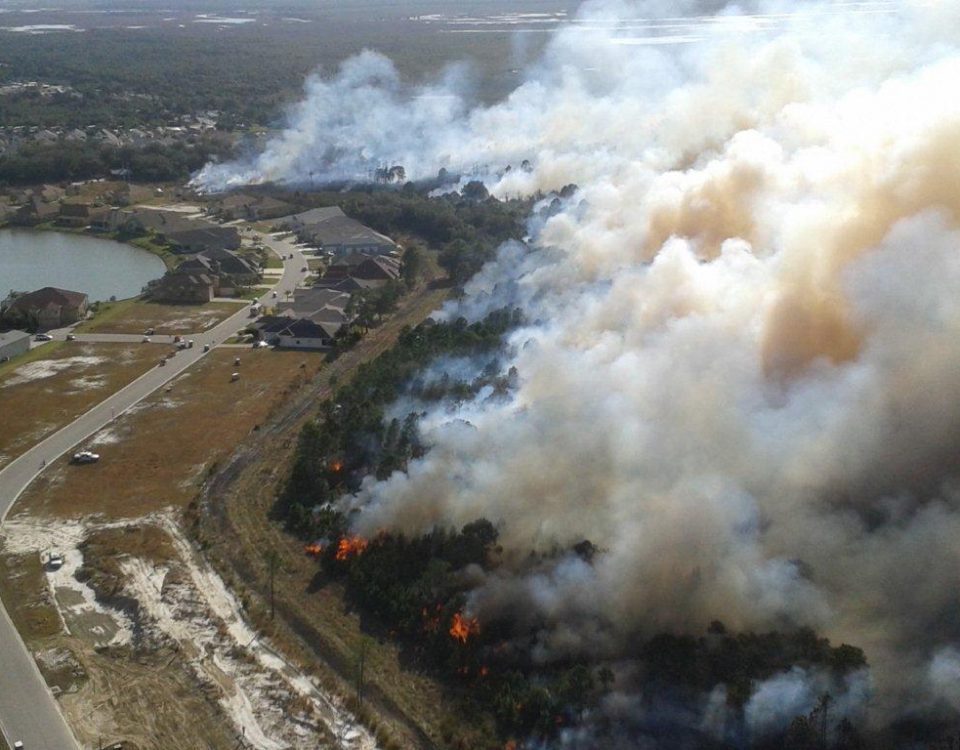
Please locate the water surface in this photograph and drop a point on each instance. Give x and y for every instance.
(101, 268)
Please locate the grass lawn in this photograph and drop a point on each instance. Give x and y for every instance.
(59, 381)
(170, 260)
(158, 453)
(136, 315)
(273, 261)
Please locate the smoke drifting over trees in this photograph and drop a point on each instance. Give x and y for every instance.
(742, 376)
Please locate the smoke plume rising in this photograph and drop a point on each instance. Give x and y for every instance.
(743, 378)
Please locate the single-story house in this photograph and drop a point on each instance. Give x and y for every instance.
(307, 334)
(341, 234)
(350, 285)
(333, 231)
(232, 264)
(80, 214)
(250, 208)
(314, 216)
(13, 343)
(311, 300)
(184, 288)
(202, 239)
(35, 211)
(48, 307)
(360, 266)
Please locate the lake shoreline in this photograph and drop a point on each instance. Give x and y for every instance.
(114, 268)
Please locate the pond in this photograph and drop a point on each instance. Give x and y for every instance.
(101, 268)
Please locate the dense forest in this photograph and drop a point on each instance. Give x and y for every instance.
(68, 161)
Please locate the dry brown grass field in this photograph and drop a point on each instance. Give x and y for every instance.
(157, 454)
(50, 387)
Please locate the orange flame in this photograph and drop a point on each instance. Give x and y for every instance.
(463, 627)
(336, 466)
(350, 546)
(314, 550)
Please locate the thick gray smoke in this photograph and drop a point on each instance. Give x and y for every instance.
(744, 382)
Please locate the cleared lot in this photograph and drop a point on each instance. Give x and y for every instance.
(50, 387)
(136, 316)
(157, 454)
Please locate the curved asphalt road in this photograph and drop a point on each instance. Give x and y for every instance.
(28, 711)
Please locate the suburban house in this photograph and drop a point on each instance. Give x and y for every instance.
(141, 221)
(80, 214)
(13, 343)
(231, 264)
(314, 216)
(35, 211)
(200, 239)
(230, 269)
(311, 301)
(349, 284)
(184, 288)
(250, 208)
(332, 231)
(48, 307)
(380, 268)
(306, 334)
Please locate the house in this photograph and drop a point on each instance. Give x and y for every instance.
(232, 264)
(307, 334)
(35, 211)
(380, 268)
(80, 214)
(228, 269)
(341, 234)
(333, 231)
(48, 307)
(202, 238)
(347, 284)
(268, 327)
(317, 304)
(184, 288)
(250, 208)
(314, 216)
(13, 343)
(141, 221)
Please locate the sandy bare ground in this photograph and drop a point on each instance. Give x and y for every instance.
(160, 604)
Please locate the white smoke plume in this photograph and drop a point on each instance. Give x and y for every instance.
(743, 380)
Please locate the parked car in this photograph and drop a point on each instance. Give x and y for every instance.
(163, 362)
(149, 332)
(146, 339)
(71, 337)
(85, 457)
(176, 339)
(274, 294)
(18, 745)
(206, 347)
(43, 337)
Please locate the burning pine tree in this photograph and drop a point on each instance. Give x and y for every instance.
(461, 628)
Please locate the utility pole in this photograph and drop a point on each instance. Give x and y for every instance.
(361, 664)
(273, 563)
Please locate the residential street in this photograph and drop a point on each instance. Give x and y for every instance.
(28, 711)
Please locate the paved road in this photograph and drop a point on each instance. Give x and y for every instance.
(28, 711)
